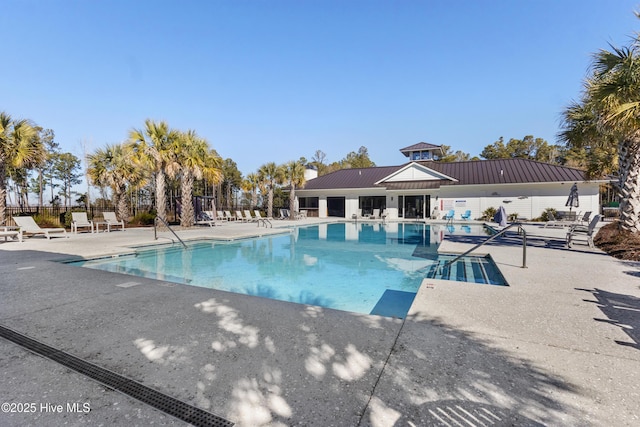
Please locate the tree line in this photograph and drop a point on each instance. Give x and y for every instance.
(156, 161)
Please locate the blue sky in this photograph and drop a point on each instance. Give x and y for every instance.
(268, 80)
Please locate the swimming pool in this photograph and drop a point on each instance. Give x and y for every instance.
(360, 267)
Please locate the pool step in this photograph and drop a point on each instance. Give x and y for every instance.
(472, 269)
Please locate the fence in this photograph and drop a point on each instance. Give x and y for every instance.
(54, 215)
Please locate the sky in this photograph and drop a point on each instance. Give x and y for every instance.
(276, 80)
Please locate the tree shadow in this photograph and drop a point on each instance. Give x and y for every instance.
(438, 375)
(621, 310)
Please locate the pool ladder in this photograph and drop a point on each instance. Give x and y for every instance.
(166, 224)
(521, 231)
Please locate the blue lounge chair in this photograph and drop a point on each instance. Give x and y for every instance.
(449, 215)
(467, 215)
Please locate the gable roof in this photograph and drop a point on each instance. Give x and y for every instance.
(479, 172)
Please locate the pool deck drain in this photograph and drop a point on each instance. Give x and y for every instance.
(167, 404)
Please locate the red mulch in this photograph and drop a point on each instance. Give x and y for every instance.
(618, 243)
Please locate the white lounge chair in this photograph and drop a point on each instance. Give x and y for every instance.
(248, 217)
(375, 214)
(239, 216)
(79, 219)
(228, 216)
(110, 220)
(206, 218)
(583, 232)
(221, 216)
(28, 226)
(258, 214)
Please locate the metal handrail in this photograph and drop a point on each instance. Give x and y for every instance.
(166, 224)
(520, 231)
(265, 221)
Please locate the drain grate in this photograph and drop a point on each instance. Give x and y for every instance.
(151, 397)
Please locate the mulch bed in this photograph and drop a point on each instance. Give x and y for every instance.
(618, 243)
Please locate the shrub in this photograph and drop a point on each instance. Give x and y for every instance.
(545, 214)
(46, 221)
(489, 213)
(512, 217)
(143, 218)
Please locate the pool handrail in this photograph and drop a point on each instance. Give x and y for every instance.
(166, 224)
(521, 230)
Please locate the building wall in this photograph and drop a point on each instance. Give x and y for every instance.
(527, 200)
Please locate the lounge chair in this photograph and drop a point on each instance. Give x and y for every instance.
(228, 216)
(206, 218)
(220, 215)
(585, 218)
(79, 219)
(449, 215)
(466, 215)
(28, 226)
(583, 232)
(248, 217)
(240, 217)
(552, 221)
(375, 214)
(284, 213)
(258, 215)
(110, 220)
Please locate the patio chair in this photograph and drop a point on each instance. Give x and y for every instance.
(206, 218)
(583, 232)
(112, 221)
(228, 216)
(552, 221)
(28, 226)
(375, 214)
(221, 216)
(466, 215)
(449, 215)
(240, 217)
(258, 215)
(248, 217)
(585, 218)
(79, 219)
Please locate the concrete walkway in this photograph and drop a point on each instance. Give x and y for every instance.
(559, 346)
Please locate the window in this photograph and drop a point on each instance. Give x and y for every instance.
(308, 202)
(368, 203)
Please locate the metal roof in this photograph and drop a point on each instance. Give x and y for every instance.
(421, 146)
(503, 171)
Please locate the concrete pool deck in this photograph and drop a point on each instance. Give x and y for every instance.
(559, 346)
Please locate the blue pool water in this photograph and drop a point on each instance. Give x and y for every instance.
(365, 268)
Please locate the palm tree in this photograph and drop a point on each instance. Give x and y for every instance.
(153, 150)
(196, 162)
(251, 184)
(610, 111)
(19, 147)
(113, 166)
(294, 175)
(271, 175)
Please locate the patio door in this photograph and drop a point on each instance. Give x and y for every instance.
(336, 206)
(415, 206)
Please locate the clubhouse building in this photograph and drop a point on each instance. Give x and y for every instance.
(424, 188)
